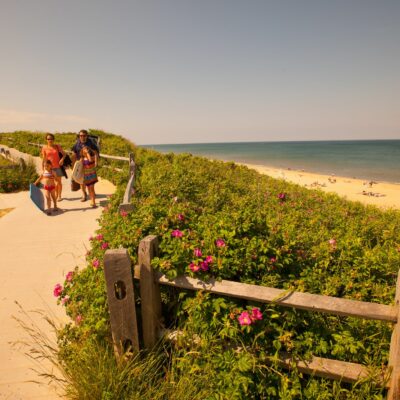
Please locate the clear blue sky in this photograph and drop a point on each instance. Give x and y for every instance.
(202, 71)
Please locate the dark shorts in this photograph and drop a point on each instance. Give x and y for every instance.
(58, 171)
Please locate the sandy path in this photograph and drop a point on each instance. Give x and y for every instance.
(36, 252)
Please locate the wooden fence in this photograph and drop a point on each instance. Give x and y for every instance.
(119, 279)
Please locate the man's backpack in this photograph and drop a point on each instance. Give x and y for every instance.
(95, 139)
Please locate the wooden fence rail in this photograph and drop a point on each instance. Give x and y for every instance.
(150, 280)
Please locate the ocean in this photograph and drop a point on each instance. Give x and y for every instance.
(377, 160)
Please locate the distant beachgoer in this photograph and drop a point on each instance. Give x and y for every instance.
(48, 179)
(89, 172)
(85, 141)
(51, 152)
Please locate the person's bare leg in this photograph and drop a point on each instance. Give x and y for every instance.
(54, 197)
(58, 187)
(84, 194)
(92, 195)
(48, 201)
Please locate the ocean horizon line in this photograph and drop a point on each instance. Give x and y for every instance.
(271, 141)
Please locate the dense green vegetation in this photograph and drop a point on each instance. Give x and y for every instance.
(16, 176)
(226, 221)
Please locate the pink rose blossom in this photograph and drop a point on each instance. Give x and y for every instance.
(220, 243)
(177, 233)
(244, 318)
(57, 290)
(78, 319)
(91, 238)
(282, 196)
(332, 242)
(197, 252)
(209, 260)
(95, 263)
(181, 217)
(99, 237)
(256, 314)
(204, 266)
(69, 276)
(64, 300)
(123, 213)
(104, 245)
(272, 260)
(194, 267)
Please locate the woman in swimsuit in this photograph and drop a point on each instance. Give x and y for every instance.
(48, 179)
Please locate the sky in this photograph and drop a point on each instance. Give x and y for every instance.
(171, 71)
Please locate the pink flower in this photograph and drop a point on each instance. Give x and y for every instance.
(181, 217)
(123, 213)
(99, 237)
(256, 314)
(91, 238)
(244, 318)
(194, 267)
(197, 252)
(64, 300)
(104, 245)
(69, 276)
(78, 319)
(204, 266)
(57, 290)
(332, 242)
(220, 243)
(95, 263)
(177, 233)
(272, 260)
(209, 260)
(282, 196)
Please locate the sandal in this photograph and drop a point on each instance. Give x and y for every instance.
(84, 197)
(93, 205)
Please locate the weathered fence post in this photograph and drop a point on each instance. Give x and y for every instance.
(121, 300)
(149, 292)
(394, 354)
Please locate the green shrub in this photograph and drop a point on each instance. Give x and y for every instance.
(17, 178)
(216, 219)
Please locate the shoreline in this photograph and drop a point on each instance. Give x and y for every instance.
(384, 195)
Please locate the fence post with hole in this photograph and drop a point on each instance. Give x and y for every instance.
(121, 300)
(394, 354)
(149, 292)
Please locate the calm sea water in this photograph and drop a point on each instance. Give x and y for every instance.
(365, 159)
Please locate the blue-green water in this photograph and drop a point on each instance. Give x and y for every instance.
(364, 159)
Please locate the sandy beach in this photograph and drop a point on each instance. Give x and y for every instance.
(382, 194)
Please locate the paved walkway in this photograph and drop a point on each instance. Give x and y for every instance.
(36, 252)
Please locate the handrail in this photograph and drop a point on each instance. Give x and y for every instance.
(285, 298)
(126, 205)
